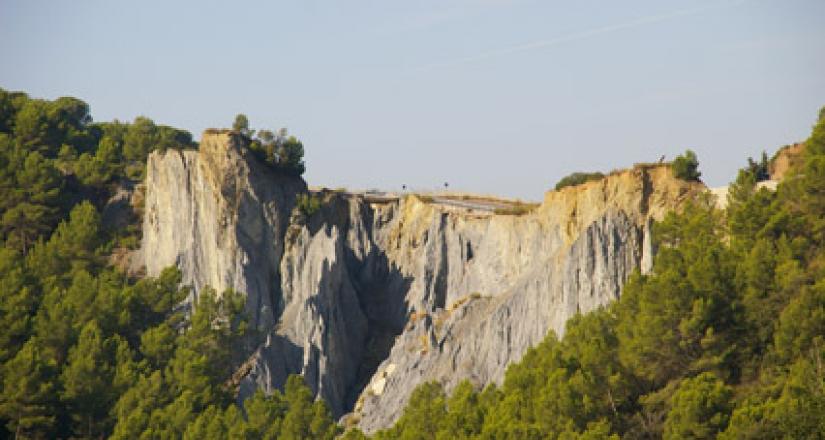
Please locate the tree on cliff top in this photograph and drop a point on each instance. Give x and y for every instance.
(241, 125)
(686, 166)
(278, 149)
(577, 178)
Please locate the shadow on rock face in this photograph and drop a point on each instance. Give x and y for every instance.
(342, 304)
(382, 294)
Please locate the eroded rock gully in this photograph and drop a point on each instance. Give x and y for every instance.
(369, 299)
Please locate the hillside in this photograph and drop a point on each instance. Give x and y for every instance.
(723, 338)
(151, 285)
(368, 300)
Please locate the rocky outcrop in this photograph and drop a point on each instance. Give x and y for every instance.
(367, 299)
(220, 216)
(787, 157)
(485, 289)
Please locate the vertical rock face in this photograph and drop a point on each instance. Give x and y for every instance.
(368, 300)
(220, 216)
(485, 289)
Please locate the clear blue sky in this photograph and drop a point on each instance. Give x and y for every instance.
(495, 96)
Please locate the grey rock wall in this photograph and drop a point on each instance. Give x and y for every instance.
(368, 300)
(220, 216)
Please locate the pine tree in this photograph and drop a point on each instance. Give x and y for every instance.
(297, 420)
(141, 137)
(28, 400)
(265, 414)
(18, 303)
(423, 414)
(87, 381)
(138, 405)
(29, 209)
(464, 418)
(72, 248)
(700, 409)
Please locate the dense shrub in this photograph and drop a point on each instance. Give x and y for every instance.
(517, 208)
(759, 170)
(577, 179)
(308, 204)
(277, 149)
(686, 166)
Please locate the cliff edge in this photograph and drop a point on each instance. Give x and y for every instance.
(369, 298)
(220, 216)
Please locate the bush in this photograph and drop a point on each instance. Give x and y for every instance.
(700, 408)
(759, 170)
(308, 204)
(686, 166)
(518, 208)
(577, 179)
(276, 149)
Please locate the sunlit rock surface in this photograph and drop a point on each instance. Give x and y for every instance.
(368, 299)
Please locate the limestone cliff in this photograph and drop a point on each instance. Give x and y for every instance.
(484, 289)
(220, 216)
(368, 299)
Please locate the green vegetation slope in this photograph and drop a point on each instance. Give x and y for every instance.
(86, 352)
